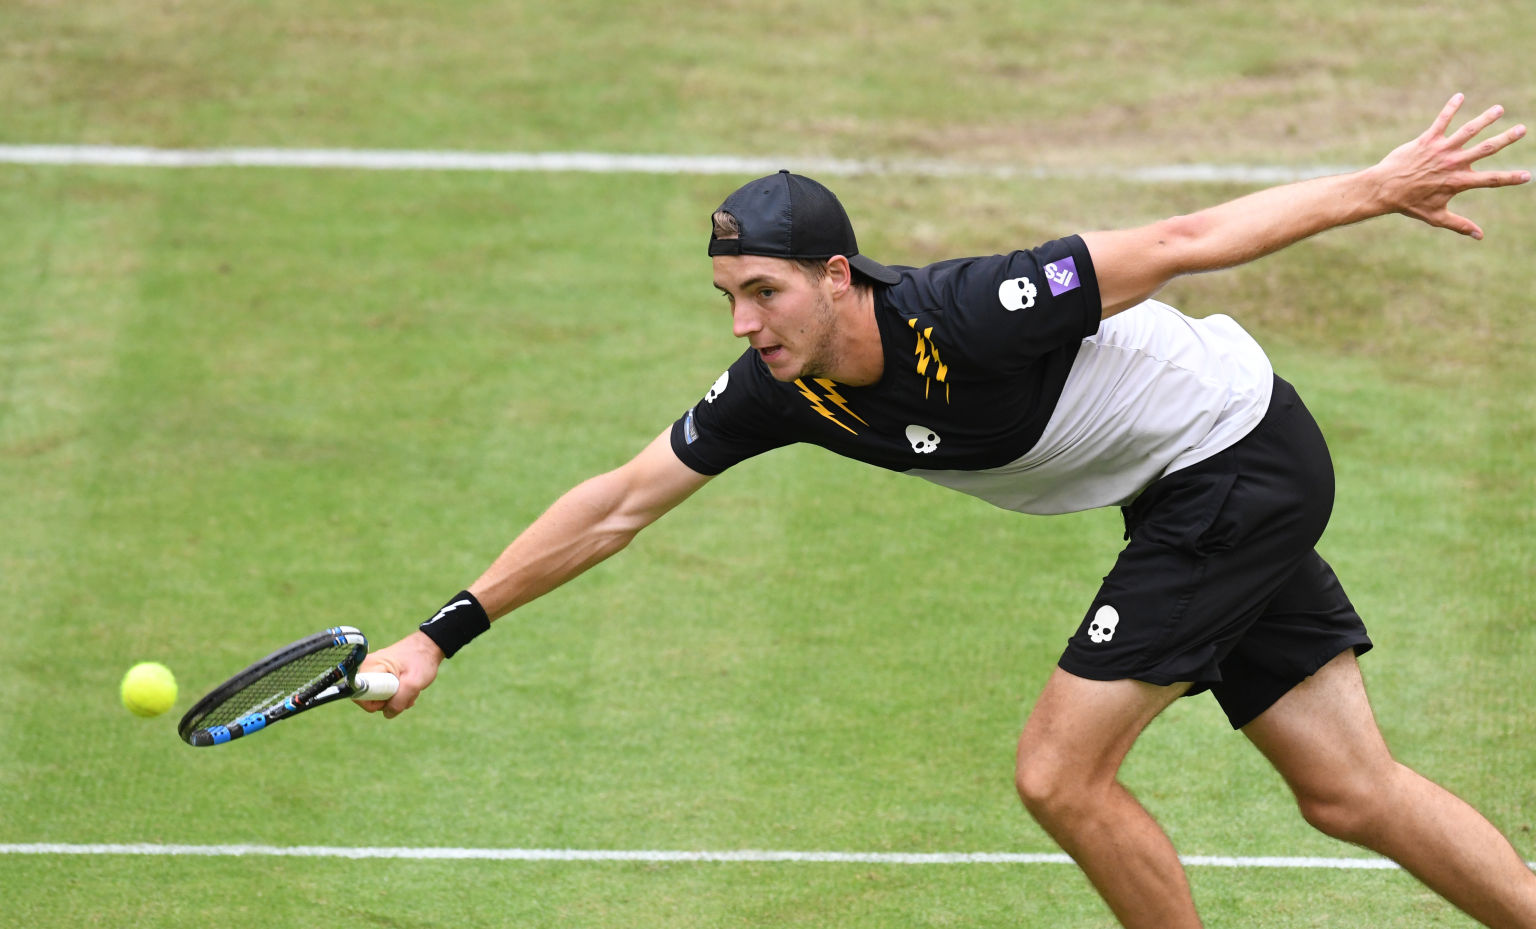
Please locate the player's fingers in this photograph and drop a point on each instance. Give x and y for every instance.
(1496, 144)
(399, 703)
(1501, 178)
(1475, 125)
(1447, 113)
(1455, 223)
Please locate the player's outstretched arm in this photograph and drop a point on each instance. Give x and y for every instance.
(595, 519)
(1419, 178)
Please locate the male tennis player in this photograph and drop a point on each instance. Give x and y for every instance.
(1048, 381)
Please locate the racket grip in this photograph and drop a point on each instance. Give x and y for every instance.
(375, 685)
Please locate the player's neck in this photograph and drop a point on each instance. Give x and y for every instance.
(861, 356)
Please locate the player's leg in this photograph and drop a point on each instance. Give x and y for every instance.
(1209, 547)
(1077, 735)
(1323, 739)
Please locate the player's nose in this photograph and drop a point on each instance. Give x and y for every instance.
(744, 322)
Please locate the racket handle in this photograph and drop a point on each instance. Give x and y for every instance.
(375, 685)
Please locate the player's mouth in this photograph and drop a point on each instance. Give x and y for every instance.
(770, 353)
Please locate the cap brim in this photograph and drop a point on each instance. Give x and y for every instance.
(874, 269)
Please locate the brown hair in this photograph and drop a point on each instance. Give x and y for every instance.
(726, 226)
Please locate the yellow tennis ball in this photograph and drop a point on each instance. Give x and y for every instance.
(149, 689)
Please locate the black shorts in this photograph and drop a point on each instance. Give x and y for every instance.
(1220, 583)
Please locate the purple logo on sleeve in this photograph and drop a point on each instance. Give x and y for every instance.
(1062, 276)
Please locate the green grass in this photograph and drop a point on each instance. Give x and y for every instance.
(994, 79)
(236, 406)
(192, 892)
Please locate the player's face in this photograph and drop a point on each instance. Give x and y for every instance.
(783, 314)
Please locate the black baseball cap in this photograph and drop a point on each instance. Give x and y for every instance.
(789, 216)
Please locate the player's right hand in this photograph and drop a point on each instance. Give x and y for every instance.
(414, 660)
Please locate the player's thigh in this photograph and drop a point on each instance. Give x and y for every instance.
(1080, 730)
(1322, 735)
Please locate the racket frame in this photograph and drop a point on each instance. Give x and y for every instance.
(339, 681)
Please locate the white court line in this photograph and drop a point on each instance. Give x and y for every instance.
(610, 163)
(584, 855)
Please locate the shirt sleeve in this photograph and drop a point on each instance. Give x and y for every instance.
(736, 419)
(1004, 310)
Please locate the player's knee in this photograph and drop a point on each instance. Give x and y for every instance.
(1344, 812)
(1033, 788)
(1046, 788)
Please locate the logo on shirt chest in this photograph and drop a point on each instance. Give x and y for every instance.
(928, 360)
(828, 394)
(823, 396)
(922, 439)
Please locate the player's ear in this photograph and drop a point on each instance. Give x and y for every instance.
(839, 274)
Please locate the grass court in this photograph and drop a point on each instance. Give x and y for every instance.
(238, 405)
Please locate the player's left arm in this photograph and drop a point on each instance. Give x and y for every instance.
(1418, 179)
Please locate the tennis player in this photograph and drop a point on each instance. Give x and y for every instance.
(1049, 381)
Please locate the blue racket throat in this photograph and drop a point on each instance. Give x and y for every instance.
(253, 723)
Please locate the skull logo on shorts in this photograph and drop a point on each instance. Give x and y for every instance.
(1104, 624)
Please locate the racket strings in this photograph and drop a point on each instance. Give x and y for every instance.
(298, 680)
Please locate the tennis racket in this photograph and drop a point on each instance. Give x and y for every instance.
(311, 672)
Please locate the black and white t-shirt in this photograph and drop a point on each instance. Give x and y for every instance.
(1001, 381)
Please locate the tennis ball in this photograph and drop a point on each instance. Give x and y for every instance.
(149, 689)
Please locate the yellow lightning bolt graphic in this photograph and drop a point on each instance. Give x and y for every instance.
(924, 346)
(818, 406)
(831, 388)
